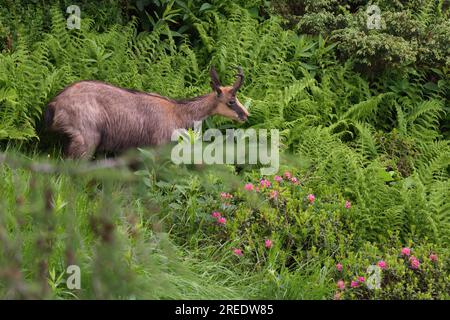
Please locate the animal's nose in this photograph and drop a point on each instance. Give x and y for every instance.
(244, 117)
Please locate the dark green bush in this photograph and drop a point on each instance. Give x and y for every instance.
(413, 33)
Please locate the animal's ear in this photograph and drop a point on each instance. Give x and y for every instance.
(238, 83)
(215, 83)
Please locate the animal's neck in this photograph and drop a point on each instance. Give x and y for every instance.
(195, 109)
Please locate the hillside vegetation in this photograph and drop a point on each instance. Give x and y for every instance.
(363, 117)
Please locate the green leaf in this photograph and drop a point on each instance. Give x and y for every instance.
(384, 175)
(205, 6)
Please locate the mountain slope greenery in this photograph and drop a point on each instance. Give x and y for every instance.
(364, 132)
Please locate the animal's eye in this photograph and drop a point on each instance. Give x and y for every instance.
(231, 103)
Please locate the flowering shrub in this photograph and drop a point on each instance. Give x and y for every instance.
(415, 277)
(280, 222)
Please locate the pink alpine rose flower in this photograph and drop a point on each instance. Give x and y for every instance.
(216, 214)
(238, 252)
(433, 257)
(268, 243)
(222, 221)
(382, 264)
(226, 195)
(278, 179)
(406, 251)
(249, 186)
(361, 279)
(339, 267)
(311, 198)
(414, 262)
(354, 284)
(347, 204)
(287, 174)
(294, 180)
(265, 183)
(341, 284)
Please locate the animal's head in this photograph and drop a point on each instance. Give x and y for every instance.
(228, 104)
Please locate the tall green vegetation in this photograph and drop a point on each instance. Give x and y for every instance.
(377, 138)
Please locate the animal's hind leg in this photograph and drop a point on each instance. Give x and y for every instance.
(81, 148)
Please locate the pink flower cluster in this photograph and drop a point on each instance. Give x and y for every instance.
(249, 187)
(353, 284)
(311, 198)
(265, 183)
(347, 204)
(220, 220)
(288, 176)
(238, 252)
(357, 282)
(216, 215)
(406, 252)
(433, 257)
(414, 262)
(226, 195)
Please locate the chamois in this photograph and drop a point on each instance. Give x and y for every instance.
(97, 116)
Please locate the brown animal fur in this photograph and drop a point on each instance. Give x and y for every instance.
(97, 116)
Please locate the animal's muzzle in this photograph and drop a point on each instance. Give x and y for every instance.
(243, 117)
